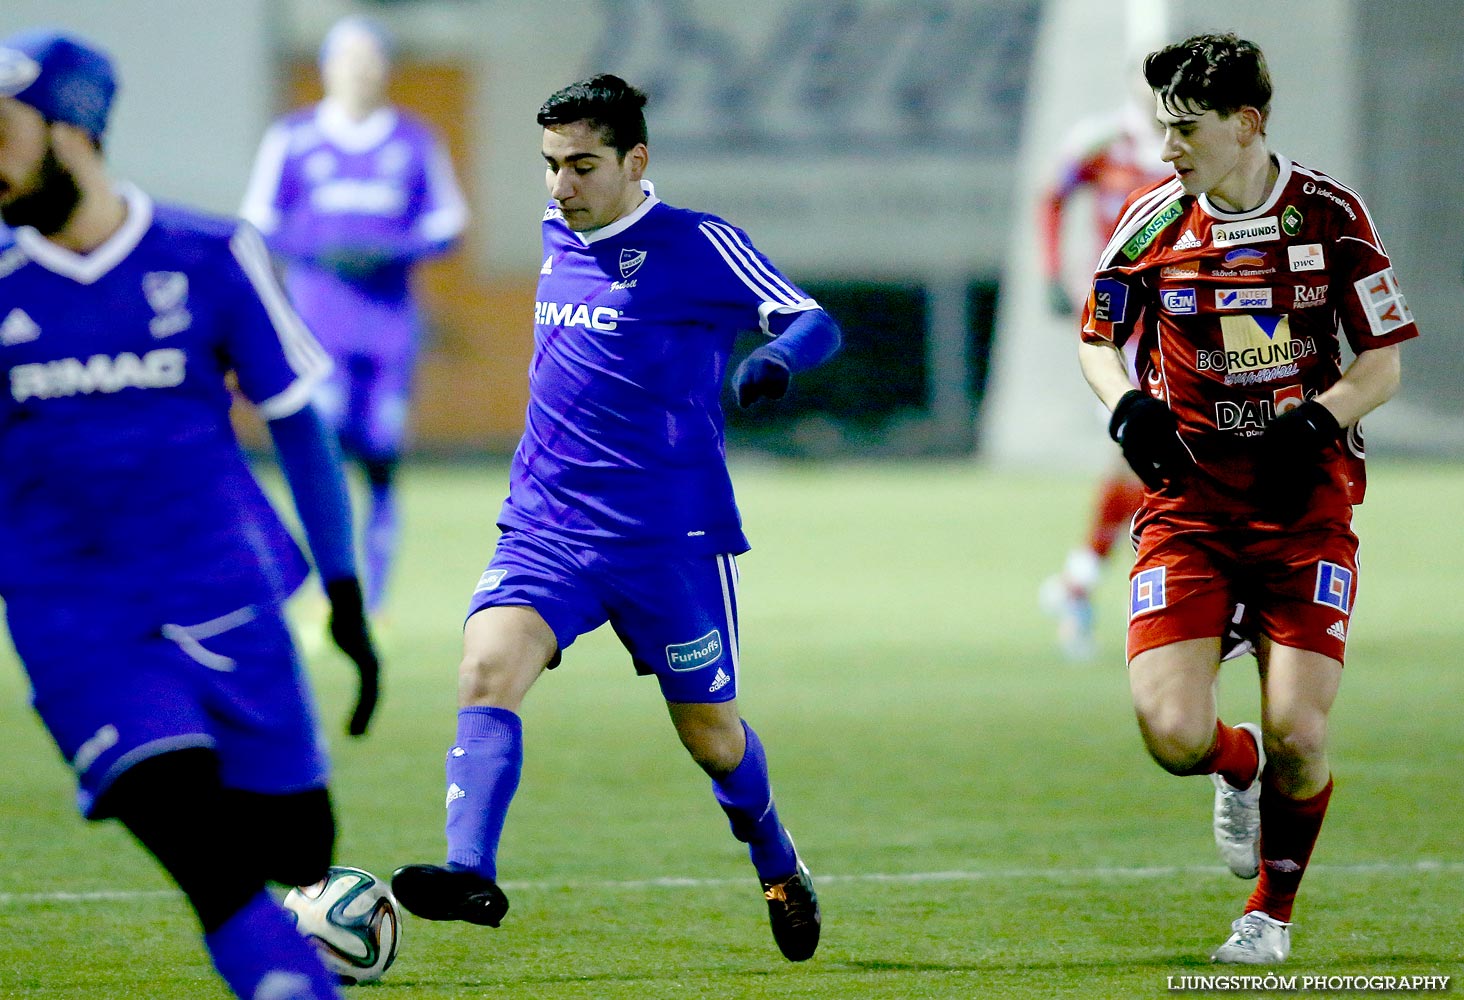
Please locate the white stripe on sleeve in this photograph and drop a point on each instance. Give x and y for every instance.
(449, 213)
(746, 265)
(1134, 219)
(264, 182)
(303, 353)
(767, 309)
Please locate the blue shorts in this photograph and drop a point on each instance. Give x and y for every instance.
(676, 617)
(366, 401)
(115, 687)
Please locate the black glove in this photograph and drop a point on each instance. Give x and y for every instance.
(1145, 429)
(1057, 299)
(760, 376)
(349, 630)
(356, 264)
(1289, 458)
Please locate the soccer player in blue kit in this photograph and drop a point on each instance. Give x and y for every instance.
(351, 194)
(620, 506)
(142, 568)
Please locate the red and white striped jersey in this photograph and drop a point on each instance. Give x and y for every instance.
(1238, 318)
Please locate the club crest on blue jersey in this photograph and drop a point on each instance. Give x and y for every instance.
(167, 293)
(695, 654)
(1334, 586)
(630, 261)
(165, 289)
(1147, 592)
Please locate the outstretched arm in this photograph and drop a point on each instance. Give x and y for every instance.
(313, 470)
(810, 339)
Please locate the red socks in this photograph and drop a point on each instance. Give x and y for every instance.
(1289, 830)
(1233, 756)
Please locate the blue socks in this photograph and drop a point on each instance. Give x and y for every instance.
(379, 543)
(747, 798)
(483, 771)
(259, 953)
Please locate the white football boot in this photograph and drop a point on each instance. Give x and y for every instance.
(1238, 816)
(1067, 597)
(1255, 939)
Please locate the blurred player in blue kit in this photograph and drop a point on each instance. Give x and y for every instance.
(620, 506)
(142, 568)
(351, 194)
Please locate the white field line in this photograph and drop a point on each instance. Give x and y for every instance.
(1097, 873)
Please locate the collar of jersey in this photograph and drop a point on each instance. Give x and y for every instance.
(88, 267)
(1283, 174)
(350, 135)
(625, 222)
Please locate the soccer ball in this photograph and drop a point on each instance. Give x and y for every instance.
(354, 921)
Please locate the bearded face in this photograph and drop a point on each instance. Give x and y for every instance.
(46, 200)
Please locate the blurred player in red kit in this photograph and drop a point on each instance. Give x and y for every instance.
(1106, 157)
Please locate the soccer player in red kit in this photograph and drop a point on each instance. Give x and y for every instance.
(1237, 278)
(1106, 156)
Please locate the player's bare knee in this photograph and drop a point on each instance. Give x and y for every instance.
(484, 679)
(1292, 744)
(504, 651)
(1175, 742)
(716, 757)
(717, 749)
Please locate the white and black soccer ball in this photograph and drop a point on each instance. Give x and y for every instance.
(353, 919)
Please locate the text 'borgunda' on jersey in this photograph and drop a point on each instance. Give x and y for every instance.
(1237, 317)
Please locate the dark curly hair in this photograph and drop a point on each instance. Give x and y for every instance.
(607, 103)
(1205, 72)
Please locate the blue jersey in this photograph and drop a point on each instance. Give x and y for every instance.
(324, 185)
(633, 327)
(122, 474)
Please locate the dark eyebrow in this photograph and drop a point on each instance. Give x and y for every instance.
(572, 157)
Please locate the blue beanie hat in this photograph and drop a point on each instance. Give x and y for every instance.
(64, 78)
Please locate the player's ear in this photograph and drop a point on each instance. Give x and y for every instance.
(1252, 125)
(636, 160)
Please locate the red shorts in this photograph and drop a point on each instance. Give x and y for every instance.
(1296, 587)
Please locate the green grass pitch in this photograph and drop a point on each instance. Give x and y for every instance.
(979, 815)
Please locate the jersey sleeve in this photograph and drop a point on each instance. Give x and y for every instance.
(1112, 309)
(276, 359)
(749, 280)
(261, 207)
(1371, 307)
(1116, 296)
(444, 210)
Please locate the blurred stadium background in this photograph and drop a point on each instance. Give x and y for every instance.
(888, 155)
(952, 778)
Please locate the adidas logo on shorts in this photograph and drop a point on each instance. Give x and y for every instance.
(1338, 631)
(720, 681)
(454, 793)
